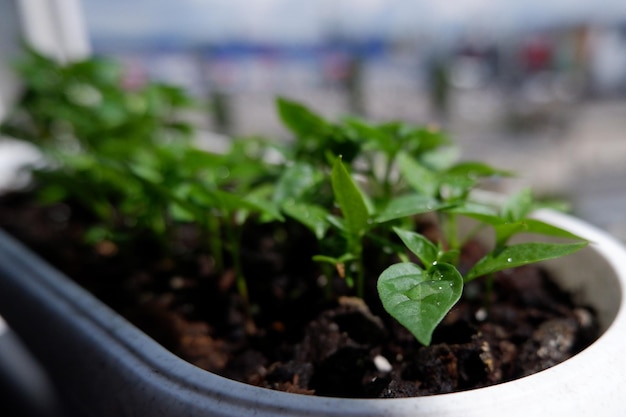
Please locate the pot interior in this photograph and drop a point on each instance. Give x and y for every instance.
(592, 280)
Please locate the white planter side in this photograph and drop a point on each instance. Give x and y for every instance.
(105, 366)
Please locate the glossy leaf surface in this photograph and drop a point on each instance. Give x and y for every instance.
(419, 299)
(350, 200)
(521, 254)
(420, 245)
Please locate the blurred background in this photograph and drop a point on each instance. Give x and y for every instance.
(529, 85)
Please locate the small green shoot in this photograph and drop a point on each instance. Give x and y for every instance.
(356, 215)
(420, 315)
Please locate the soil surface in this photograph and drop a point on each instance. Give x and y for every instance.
(300, 340)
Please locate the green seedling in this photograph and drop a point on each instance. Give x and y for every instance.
(419, 296)
(83, 105)
(359, 218)
(368, 151)
(381, 146)
(317, 139)
(221, 194)
(356, 216)
(299, 193)
(126, 156)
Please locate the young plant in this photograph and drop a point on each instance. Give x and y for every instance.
(356, 219)
(359, 219)
(363, 215)
(419, 296)
(126, 156)
(408, 172)
(220, 194)
(381, 146)
(300, 193)
(123, 153)
(317, 140)
(85, 105)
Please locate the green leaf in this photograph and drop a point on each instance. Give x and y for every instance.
(229, 202)
(299, 119)
(197, 159)
(450, 256)
(425, 142)
(521, 254)
(350, 200)
(478, 211)
(505, 231)
(455, 188)
(180, 213)
(419, 300)
(312, 216)
(375, 138)
(296, 181)
(547, 229)
(476, 170)
(259, 199)
(337, 222)
(518, 205)
(408, 205)
(145, 172)
(441, 158)
(420, 178)
(420, 245)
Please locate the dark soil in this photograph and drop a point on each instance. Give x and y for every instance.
(301, 341)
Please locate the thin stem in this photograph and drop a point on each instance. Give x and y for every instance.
(356, 249)
(451, 228)
(233, 234)
(387, 188)
(328, 273)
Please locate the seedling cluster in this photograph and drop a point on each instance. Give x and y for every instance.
(125, 156)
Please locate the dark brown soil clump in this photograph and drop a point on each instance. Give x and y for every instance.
(301, 341)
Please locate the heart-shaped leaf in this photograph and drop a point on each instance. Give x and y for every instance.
(419, 299)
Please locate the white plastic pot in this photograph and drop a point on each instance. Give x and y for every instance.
(104, 366)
